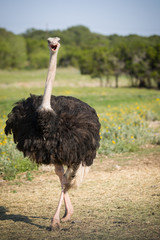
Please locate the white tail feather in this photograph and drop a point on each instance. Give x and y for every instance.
(81, 172)
(78, 176)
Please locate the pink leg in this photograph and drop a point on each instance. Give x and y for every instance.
(68, 208)
(67, 202)
(55, 223)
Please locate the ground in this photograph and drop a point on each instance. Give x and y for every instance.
(119, 199)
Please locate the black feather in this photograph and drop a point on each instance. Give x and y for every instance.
(68, 135)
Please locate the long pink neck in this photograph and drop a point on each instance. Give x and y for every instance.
(46, 102)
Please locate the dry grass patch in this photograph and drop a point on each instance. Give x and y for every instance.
(119, 199)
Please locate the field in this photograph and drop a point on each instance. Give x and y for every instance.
(119, 198)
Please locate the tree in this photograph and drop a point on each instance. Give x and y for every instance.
(37, 53)
(117, 64)
(155, 64)
(85, 62)
(99, 64)
(13, 52)
(136, 62)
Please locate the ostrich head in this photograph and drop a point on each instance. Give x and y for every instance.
(53, 44)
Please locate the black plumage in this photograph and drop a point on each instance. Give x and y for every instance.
(68, 135)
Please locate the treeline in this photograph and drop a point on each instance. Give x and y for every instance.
(98, 55)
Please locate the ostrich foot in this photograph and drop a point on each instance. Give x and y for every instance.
(55, 224)
(67, 215)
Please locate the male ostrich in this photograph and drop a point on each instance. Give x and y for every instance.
(62, 130)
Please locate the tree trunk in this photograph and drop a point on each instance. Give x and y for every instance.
(142, 83)
(107, 81)
(149, 82)
(116, 81)
(101, 82)
(137, 81)
(158, 84)
(132, 81)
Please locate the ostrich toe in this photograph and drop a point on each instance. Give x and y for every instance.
(55, 224)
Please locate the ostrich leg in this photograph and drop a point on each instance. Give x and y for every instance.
(67, 202)
(68, 205)
(55, 223)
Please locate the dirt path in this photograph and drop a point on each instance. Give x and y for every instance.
(56, 84)
(119, 199)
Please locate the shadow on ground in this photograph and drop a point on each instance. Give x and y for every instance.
(18, 217)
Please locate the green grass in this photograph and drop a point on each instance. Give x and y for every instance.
(64, 76)
(98, 98)
(124, 112)
(125, 128)
(14, 76)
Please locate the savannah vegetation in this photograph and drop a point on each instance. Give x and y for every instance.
(120, 197)
(102, 57)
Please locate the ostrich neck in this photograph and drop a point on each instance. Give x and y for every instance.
(46, 102)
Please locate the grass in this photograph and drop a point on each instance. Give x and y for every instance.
(69, 75)
(124, 113)
(125, 128)
(18, 77)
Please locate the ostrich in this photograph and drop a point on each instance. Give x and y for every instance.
(59, 130)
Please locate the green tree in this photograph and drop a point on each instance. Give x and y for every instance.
(85, 62)
(155, 64)
(98, 65)
(13, 52)
(117, 64)
(38, 53)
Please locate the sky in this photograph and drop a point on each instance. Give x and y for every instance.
(122, 17)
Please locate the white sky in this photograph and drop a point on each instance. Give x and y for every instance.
(107, 17)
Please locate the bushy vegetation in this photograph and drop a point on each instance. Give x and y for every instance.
(98, 55)
(125, 128)
(13, 52)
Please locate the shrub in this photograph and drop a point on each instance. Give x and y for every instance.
(125, 129)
